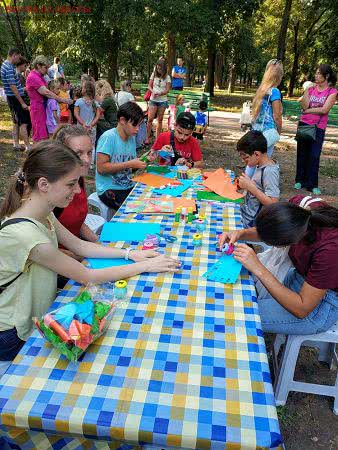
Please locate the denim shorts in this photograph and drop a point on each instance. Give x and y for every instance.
(10, 344)
(159, 104)
(276, 319)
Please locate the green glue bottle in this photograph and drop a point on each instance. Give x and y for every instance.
(190, 215)
(178, 215)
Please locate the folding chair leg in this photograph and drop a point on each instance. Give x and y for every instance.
(287, 369)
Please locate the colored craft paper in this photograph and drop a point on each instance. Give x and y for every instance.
(219, 182)
(175, 190)
(103, 263)
(207, 195)
(150, 206)
(226, 270)
(158, 169)
(150, 179)
(125, 231)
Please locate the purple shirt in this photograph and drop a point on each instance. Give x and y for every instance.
(52, 105)
(317, 100)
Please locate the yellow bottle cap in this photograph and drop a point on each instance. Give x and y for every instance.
(197, 236)
(201, 216)
(120, 284)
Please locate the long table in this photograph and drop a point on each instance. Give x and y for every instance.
(182, 365)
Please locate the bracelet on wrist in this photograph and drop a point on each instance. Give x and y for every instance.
(126, 256)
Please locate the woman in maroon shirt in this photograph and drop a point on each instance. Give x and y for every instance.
(305, 300)
(73, 217)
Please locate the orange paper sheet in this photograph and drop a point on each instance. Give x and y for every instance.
(180, 202)
(219, 182)
(154, 180)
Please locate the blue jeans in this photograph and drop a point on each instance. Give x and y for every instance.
(10, 344)
(276, 319)
(308, 157)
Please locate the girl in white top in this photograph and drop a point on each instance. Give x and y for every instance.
(30, 258)
(125, 94)
(159, 85)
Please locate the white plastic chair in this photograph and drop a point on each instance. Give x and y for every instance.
(284, 383)
(94, 222)
(105, 212)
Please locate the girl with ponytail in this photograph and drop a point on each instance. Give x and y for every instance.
(303, 299)
(29, 237)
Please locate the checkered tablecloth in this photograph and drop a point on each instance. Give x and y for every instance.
(183, 363)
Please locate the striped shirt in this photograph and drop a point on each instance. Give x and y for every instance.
(10, 77)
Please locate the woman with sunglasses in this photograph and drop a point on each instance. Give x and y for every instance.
(36, 87)
(267, 107)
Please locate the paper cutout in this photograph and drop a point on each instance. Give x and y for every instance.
(175, 190)
(226, 270)
(153, 180)
(219, 182)
(103, 263)
(207, 195)
(126, 231)
(150, 206)
(184, 203)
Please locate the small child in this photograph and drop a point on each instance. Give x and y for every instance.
(65, 116)
(201, 120)
(75, 93)
(176, 110)
(87, 110)
(52, 109)
(263, 188)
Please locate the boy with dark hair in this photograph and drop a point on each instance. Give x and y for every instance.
(263, 188)
(116, 157)
(181, 143)
(201, 120)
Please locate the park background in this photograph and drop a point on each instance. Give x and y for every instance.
(227, 43)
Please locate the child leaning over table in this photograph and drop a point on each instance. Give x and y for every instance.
(263, 188)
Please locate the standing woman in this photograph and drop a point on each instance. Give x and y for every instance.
(36, 87)
(158, 100)
(316, 104)
(267, 106)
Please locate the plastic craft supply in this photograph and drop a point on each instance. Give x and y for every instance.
(153, 238)
(200, 224)
(228, 249)
(167, 237)
(120, 289)
(178, 214)
(225, 270)
(182, 172)
(148, 245)
(190, 215)
(197, 240)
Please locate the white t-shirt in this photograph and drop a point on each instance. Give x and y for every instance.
(122, 97)
(159, 86)
(32, 293)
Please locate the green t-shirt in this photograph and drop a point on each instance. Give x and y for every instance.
(32, 293)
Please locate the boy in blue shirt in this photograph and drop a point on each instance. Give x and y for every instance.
(116, 157)
(201, 120)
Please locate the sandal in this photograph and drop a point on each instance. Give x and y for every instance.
(316, 191)
(297, 186)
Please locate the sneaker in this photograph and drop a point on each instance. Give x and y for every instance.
(316, 191)
(297, 186)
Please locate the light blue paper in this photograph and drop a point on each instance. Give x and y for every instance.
(103, 263)
(127, 232)
(226, 270)
(175, 191)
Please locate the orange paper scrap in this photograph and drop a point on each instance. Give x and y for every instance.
(219, 182)
(155, 181)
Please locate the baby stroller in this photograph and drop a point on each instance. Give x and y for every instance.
(245, 118)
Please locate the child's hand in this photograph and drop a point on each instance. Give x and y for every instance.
(180, 162)
(245, 182)
(137, 164)
(229, 237)
(152, 155)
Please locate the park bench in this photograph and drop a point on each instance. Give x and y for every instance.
(291, 109)
(193, 98)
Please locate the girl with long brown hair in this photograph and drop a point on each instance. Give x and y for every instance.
(29, 237)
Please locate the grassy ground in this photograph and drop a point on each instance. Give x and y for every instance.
(307, 421)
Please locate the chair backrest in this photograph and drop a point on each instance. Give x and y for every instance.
(94, 201)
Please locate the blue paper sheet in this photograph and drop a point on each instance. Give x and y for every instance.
(127, 232)
(103, 263)
(226, 270)
(177, 190)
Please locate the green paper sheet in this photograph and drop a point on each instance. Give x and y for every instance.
(206, 195)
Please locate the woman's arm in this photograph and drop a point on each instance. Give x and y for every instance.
(56, 117)
(48, 256)
(49, 94)
(77, 116)
(330, 101)
(277, 110)
(87, 234)
(167, 89)
(300, 305)
(305, 99)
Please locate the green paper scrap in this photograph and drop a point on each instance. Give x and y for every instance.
(158, 169)
(83, 297)
(101, 309)
(206, 195)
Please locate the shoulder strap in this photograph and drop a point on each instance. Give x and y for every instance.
(2, 226)
(172, 144)
(262, 176)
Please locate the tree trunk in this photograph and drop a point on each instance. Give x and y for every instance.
(95, 69)
(296, 53)
(112, 66)
(283, 30)
(11, 25)
(211, 64)
(188, 65)
(21, 33)
(232, 78)
(219, 68)
(171, 44)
